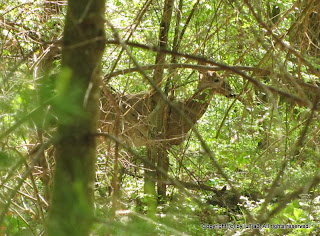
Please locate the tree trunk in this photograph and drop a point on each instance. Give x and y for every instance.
(157, 153)
(71, 211)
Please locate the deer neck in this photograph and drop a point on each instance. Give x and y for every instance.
(198, 103)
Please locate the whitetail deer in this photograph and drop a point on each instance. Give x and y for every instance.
(135, 113)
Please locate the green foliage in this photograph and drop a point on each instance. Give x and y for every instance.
(14, 225)
(254, 139)
(6, 160)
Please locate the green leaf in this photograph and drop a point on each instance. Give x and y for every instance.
(297, 213)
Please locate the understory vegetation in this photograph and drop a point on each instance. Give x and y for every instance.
(208, 117)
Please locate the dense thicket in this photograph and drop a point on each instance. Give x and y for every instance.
(251, 157)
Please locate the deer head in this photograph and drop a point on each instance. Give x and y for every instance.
(211, 80)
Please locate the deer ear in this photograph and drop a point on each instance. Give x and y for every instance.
(212, 73)
(209, 74)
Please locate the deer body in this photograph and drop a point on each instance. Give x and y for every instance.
(134, 112)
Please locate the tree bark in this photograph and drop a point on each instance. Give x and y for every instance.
(71, 211)
(156, 105)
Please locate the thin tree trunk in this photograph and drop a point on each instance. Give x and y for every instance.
(71, 211)
(163, 158)
(156, 105)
